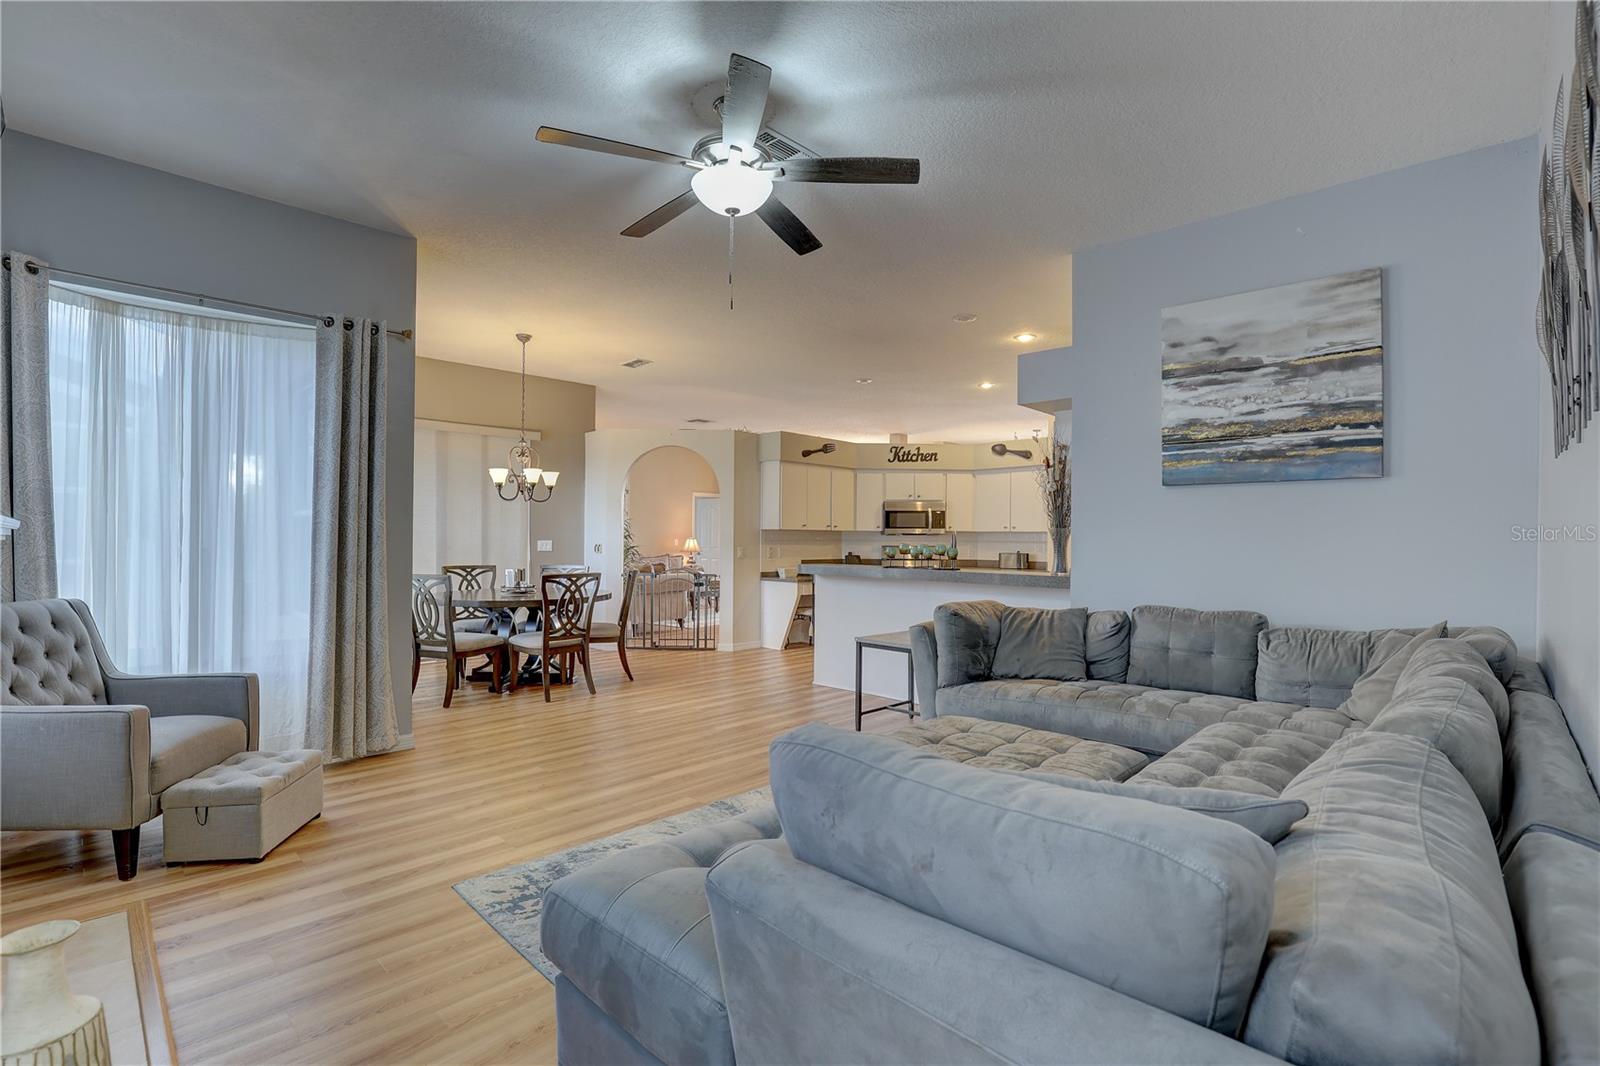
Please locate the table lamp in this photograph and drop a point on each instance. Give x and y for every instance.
(691, 548)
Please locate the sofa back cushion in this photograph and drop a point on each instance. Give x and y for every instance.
(1374, 689)
(1391, 937)
(48, 658)
(1495, 645)
(1310, 666)
(1195, 651)
(1107, 645)
(1162, 904)
(1451, 658)
(1435, 702)
(1547, 785)
(1041, 642)
(965, 635)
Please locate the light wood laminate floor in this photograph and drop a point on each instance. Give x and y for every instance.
(348, 944)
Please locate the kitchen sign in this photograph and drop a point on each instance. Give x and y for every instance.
(899, 453)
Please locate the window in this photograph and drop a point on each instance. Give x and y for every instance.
(181, 452)
(457, 515)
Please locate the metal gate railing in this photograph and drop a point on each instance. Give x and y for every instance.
(674, 609)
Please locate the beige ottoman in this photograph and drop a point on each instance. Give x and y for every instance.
(243, 807)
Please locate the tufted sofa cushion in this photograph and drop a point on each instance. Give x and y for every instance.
(1238, 757)
(1392, 940)
(1312, 666)
(1195, 651)
(1133, 716)
(248, 777)
(48, 658)
(632, 933)
(1110, 888)
(1003, 746)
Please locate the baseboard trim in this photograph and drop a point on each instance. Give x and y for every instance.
(407, 742)
(743, 645)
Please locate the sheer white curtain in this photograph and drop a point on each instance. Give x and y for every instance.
(182, 453)
(457, 517)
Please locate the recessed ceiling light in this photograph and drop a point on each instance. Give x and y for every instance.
(987, 385)
(965, 317)
(635, 364)
(863, 381)
(1025, 337)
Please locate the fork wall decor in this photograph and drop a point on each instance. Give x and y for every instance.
(1567, 317)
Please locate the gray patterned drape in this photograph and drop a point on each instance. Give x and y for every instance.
(28, 557)
(351, 711)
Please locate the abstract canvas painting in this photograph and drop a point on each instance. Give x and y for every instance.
(1280, 384)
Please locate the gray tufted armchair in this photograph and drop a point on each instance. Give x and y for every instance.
(85, 746)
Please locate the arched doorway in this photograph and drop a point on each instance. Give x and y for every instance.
(671, 494)
(672, 532)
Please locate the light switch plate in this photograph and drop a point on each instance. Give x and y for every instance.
(738, 553)
(546, 545)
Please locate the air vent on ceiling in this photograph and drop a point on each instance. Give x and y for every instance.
(635, 364)
(777, 147)
(699, 421)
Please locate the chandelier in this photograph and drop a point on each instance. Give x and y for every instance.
(524, 476)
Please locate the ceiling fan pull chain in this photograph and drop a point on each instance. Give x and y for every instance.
(731, 217)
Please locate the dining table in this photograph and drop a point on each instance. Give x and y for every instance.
(502, 607)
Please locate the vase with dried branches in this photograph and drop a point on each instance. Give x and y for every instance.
(1055, 487)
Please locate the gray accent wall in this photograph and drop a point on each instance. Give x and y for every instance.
(90, 213)
(1432, 539)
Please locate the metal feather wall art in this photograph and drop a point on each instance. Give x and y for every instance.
(1567, 318)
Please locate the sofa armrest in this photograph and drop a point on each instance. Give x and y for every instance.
(925, 665)
(82, 767)
(866, 979)
(224, 695)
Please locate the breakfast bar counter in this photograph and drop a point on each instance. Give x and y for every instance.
(858, 599)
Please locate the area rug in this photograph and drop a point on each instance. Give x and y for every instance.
(510, 899)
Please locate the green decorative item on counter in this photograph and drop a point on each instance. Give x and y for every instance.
(952, 552)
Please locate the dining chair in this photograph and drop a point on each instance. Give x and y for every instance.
(616, 632)
(567, 611)
(470, 578)
(436, 638)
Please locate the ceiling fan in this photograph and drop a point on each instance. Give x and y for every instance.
(734, 173)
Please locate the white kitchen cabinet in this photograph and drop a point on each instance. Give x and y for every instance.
(842, 499)
(899, 485)
(1027, 505)
(991, 502)
(869, 501)
(791, 496)
(819, 498)
(958, 500)
(928, 486)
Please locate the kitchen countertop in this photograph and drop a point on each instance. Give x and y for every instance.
(967, 575)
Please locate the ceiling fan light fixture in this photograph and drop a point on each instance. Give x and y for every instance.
(731, 186)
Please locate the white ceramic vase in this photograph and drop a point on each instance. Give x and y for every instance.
(39, 1009)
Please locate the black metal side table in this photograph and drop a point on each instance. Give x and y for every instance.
(900, 642)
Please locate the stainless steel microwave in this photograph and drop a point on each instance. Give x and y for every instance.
(913, 517)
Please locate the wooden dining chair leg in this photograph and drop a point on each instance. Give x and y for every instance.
(622, 657)
(495, 663)
(544, 674)
(511, 654)
(416, 664)
(583, 657)
(449, 681)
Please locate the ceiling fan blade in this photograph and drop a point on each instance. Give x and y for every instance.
(789, 228)
(662, 215)
(852, 170)
(551, 135)
(746, 101)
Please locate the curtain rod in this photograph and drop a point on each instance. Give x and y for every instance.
(199, 298)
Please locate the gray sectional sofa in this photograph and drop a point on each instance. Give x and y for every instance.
(1339, 847)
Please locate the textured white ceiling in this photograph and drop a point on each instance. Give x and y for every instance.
(1041, 128)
